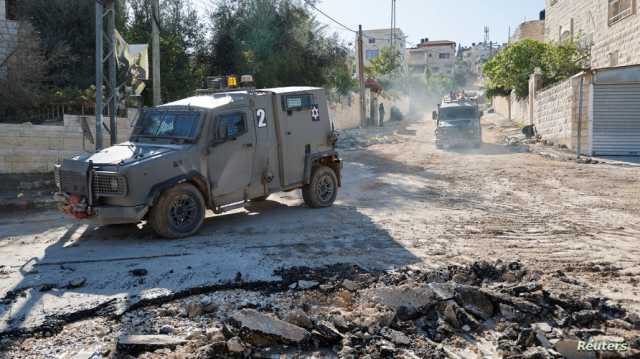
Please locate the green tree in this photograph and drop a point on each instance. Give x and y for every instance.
(182, 42)
(511, 67)
(278, 41)
(387, 64)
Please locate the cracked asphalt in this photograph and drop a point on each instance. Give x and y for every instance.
(403, 203)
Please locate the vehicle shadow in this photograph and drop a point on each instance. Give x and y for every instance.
(88, 269)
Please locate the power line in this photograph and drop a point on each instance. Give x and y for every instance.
(329, 17)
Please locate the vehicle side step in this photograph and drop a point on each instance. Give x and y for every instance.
(231, 207)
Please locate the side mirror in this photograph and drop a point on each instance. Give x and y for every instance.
(481, 113)
(434, 115)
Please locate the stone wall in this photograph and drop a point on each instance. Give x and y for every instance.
(588, 21)
(519, 108)
(345, 113)
(27, 148)
(556, 113)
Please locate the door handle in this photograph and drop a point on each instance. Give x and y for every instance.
(248, 145)
(288, 133)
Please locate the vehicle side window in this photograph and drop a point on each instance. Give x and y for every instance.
(231, 125)
(298, 102)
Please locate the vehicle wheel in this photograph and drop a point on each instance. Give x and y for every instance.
(323, 189)
(260, 199)
(179, 212)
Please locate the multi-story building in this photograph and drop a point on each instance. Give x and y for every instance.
(8, 31)
(610, 27)
(376, 40)
(477, 54)
(608, 123)
(436, 57)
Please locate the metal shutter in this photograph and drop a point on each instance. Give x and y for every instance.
(616, 119)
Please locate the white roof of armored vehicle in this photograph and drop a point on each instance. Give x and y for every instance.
(220, 99)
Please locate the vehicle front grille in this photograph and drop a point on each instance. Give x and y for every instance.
(108, 184)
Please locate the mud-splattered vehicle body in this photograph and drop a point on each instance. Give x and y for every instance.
(218, 151)
(458, 124)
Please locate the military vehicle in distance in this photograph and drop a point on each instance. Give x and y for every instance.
(218, 150)
(458, 123)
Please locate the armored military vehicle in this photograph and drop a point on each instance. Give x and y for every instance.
(458, 123)
(217, 151)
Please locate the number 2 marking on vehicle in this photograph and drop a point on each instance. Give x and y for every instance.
(261, 117)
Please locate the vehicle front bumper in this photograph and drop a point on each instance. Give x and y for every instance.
(100, 215)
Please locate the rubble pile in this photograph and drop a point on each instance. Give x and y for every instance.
(482, 310)
(361, 138)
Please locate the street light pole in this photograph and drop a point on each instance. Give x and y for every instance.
(363, 116)
(99, 48)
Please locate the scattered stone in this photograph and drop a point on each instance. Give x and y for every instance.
(299, 318)
(443, 291)
(397, 337)
(208, 306)
(76, 283)
(402, 296)
(328, 332)
(584, 317)
(138, 272)
(543, 327)
(263, 330)
(194, 309)
(142, 343)
(350, 285)
(307, 284)
(166, 329)
(234, 345)
(474, 301)
(569, 350)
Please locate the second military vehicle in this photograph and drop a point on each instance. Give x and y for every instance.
(216, 151)
(458, 123)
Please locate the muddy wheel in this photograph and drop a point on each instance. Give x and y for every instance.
(322, 190)
(179, 212)
(260, 199)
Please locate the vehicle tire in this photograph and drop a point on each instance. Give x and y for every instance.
(323, 189)
(260, 199)
(179, 212)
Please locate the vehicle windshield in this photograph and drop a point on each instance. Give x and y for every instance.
(158, 124)
(457, 114)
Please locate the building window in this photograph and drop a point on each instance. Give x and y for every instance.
(372, 54)
(11, 9)
(620, 9)
(372, 40)
(445, 56)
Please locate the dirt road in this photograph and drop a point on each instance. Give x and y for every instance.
(403, 203)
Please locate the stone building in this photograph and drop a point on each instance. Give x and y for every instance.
(608, 122)
(376, 40)
(610, 27)
(8, 31)
(438, 57)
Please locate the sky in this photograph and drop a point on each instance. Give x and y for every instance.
(462, 21)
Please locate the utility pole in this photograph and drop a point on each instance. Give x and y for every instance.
(113, 85)
(110, 59)
(99, 48)
(363, 116)
(155, 44)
